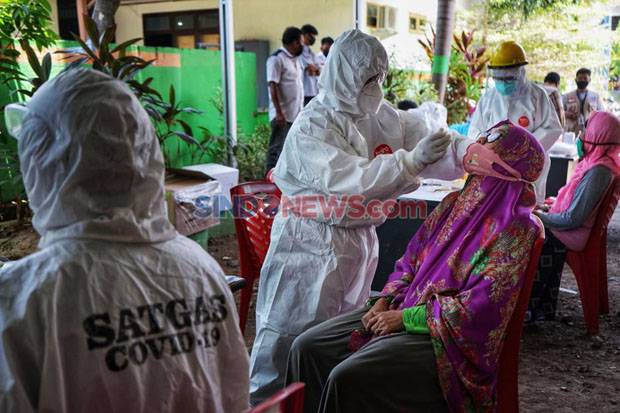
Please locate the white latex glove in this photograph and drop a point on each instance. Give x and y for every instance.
(429, 150)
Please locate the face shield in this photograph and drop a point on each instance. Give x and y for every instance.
(14, 115)
(507, 80)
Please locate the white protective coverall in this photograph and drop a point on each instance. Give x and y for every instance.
(116, 312)
(529, 107)
(318, 268)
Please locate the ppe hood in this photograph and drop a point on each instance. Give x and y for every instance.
(91, 162)
(354, 58)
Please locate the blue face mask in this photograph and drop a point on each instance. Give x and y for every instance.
(505, 87)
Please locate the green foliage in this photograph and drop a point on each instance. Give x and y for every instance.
(11, 72)
(251, 154)
(166, 115)
(614, 67)
(561, 39)
(396, 84)
(422, 91)
(22, 23)
(10, 175)
(26, 21)
(465, 75)
(528, 8)
(107, 58)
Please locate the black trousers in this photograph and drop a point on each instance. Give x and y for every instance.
(276, 142)
(395, 373)
(544, 299)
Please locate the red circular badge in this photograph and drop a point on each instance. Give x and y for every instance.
(383, 149)
(524, 122)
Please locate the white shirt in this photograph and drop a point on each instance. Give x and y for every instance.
(311, 83)
(286, 70)
(320, 59)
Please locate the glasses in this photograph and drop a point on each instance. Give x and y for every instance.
(14, 115)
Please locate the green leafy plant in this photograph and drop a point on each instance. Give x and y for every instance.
(467, 64)
(474, 57)
(23, 23)
(27, 86)
(115, 61)
(422, 91)
(560, 39)
(26, 20)
(107, 58)
(166, 118)
(251, 154)
(214, 149)
(396, 84)
(11, 186)
(526, 8)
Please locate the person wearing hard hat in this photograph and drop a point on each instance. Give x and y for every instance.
(520, 101)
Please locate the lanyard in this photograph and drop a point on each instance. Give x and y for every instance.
(582, 102)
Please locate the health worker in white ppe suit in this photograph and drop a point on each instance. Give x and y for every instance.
(116, 312)
(520, 101)
(347, 141)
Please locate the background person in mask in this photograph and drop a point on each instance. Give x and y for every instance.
(580, 103)
(309, 62)
(116, 312)
(552, 86)
(321, 57)
(522, 102)
(286, 90)
(321, 265)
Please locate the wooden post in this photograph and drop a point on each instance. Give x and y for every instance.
(82, 9)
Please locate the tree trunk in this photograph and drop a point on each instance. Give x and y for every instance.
(103, 14)
(441, 56)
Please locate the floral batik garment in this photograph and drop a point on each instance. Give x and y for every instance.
(467, 264)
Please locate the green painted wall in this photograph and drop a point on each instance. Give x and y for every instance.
(197, 84)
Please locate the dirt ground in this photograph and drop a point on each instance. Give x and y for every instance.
(561, 369)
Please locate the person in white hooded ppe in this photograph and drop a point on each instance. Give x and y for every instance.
(520, 101)
(116, 312)
(347, 141)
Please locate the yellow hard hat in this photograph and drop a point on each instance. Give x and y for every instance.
(508, 54)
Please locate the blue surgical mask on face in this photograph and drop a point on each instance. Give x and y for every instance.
(505, 87)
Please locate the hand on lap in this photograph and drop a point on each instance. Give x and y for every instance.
(380, 306)
(387, 322)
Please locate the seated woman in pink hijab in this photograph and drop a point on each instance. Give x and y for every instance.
(432, 341)
(570, 220)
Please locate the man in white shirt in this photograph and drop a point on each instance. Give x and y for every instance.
(321, 57)
(309, 63)
(286, 99)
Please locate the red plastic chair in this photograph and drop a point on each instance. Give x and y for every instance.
(254, 207)
(288, 400)
(508, 369)
(590, 265)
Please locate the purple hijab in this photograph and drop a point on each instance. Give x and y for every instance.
(467, 264)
